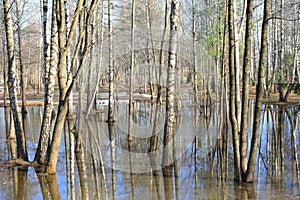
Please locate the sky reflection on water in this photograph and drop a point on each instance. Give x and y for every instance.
(190, 176)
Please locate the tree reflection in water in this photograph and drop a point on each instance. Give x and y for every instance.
(95, 171)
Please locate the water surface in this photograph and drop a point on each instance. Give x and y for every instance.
(105, 169)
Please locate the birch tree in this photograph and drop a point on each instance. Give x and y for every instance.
(20, 55)
(21, 140)
(50, 68)
(236, 48)
(170, 99)
(67, 80)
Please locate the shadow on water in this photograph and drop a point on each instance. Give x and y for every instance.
(107, 167)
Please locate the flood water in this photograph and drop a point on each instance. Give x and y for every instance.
(106, 169)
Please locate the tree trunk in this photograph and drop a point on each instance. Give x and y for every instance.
(99, 40)
(110, 67)
(275, 51)
(63, 98)
(7, 110)
(154, 138)
(68, 80)
(246, 86)
(232, 93)
(236, 48)
(162, 51)
(224, 76)
(50, 74)
(296, 51)
(259, 94)
(150, 40)
(195, 73)
(21, 140)
(22, 70)
(55, 144)
(281, 52)
(132, 66)
(170, 100)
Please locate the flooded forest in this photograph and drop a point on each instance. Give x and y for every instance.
(145, 99)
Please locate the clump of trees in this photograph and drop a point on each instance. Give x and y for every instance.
(220, 47)
(66, 48)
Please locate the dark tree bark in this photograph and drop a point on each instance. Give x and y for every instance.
(259, 93)
(232, 93)
(110, 67)
(246, 86)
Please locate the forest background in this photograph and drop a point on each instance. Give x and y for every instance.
(220, 49)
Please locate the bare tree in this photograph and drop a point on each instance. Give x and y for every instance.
(170, 100)
(232, 92)
(20, 55)
(246, 85)
(99, 40)
(154, 138)
(50, 68)
(131, 81)
(195, 78)
(21, 140)
(110, 66)
(67, 80)
(259, 93)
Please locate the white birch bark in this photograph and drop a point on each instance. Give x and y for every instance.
(21, 140)
(67, 80)
(170, 101)
(50, 67)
